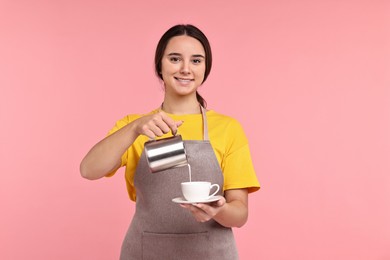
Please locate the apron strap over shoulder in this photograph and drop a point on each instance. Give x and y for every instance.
(205, 128)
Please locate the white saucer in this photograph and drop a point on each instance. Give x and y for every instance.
(182, 200)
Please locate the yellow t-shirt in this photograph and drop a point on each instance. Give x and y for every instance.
(226, 137)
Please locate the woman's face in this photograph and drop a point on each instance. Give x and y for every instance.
(183, 66)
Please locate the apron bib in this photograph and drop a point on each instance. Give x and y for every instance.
(163, 230)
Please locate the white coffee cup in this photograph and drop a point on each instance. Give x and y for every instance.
(198, 190)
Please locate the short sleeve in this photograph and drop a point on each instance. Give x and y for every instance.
(118, 125)
(237, 163)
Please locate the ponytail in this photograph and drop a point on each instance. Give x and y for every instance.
(201, 100)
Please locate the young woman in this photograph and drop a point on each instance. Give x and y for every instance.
(217, 150)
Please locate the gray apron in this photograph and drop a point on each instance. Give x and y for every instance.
(163, 230)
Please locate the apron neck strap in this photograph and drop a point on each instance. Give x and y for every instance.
(205, 128)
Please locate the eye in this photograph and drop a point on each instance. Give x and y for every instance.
(196, 61)
(174, 59)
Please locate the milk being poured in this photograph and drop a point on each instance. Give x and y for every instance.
(189, 170)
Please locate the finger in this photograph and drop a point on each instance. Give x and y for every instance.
(164, 128)
(146, 131)
(209, 209)
(147, 126)
(178, 123)
(156, 128)
(203, 208)
(198, 213)
(218, 203)
(165, 122)
(172, 124)
(150, 134)
(200, 206)
(151, 131)
(202, 217)
(192, 208)
(221, 202)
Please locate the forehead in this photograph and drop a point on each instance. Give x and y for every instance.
(184, 45)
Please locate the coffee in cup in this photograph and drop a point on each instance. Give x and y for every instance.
(198, 190)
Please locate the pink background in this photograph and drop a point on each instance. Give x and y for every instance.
(309, 81)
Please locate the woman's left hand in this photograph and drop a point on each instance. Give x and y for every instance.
(230, 211)
(203, 212)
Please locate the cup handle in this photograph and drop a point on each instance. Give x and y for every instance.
(215, 192)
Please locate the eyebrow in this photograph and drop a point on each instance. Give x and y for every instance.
(178, 54)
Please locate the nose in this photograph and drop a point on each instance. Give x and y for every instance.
(185, 68)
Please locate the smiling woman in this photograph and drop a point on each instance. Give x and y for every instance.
(183, 69)
(217, 150)
(193, 32)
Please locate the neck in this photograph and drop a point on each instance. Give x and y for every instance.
(181, 106)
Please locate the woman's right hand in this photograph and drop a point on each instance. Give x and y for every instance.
(156, 125)
(105, 156)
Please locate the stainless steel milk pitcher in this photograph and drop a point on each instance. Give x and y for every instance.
(165, 153)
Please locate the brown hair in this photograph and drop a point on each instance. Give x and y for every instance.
(192, 31)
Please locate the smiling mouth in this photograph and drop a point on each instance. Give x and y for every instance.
(184, 80)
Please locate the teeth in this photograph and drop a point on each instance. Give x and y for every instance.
(186, 80)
